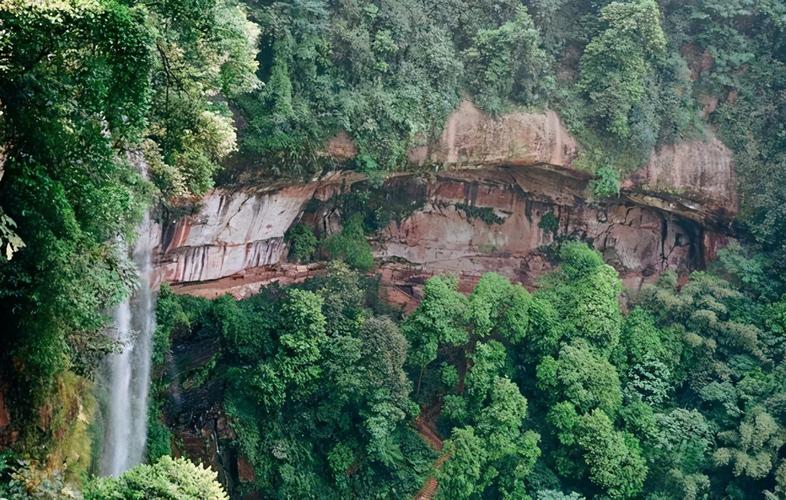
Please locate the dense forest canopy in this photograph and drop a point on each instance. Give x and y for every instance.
(109, 107)
(553, 394)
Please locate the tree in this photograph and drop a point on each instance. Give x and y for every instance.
(343, 299)
(488, 361)
(176, 478)
(384, 351)
(617, 64)
(303, 242)
(202, 49)
(73, 85)
(581, 377)
(301, 339)
(512, 452)
(439, 319)
(351, 245)
(752, 450)
(495, 452)
(614, 460)
(498, 306)
(681, 444)
(92, 93)
(462, 475)
(584, 293)
(641, 340)
(508, 63)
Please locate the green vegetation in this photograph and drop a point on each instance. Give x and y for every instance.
(507, 64)
(302, 242)
(618, 64)
(625, 76)
(176, 478)
(315, 389)
(534, 393)
(486, 214)
(388, 73)
(606, 183)
(549, 223)
(350, 245)
(91, 91)
(108, 106)
(631, 75)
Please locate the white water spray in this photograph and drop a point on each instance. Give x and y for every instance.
(128, 371)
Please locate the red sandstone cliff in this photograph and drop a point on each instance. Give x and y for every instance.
(672, 214)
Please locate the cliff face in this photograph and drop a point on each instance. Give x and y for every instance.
(451, 235)
(483, 210)
(473, 138)
(499, 191)
(695, 179)
(231, 232)
(468, 222)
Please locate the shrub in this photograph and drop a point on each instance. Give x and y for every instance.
(302, 242)
(606, 183)
(351, 246)
(449, 375)
(549, 223)
(175, 478)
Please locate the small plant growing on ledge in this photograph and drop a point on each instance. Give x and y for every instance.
(549, 223)
(350, 245)
(486, 214)
(302, 242)
(606, 183)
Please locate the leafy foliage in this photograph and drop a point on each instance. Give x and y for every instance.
(168, 478)
(556, 391)
(388, 73)
(618, 62)
(539, 393)
(318, 353)
(507, 64)
(606, 183)
(303, 242)
(350, 245)
(92, 92)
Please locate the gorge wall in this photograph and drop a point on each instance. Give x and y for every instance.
(490, 194)
(479, 196)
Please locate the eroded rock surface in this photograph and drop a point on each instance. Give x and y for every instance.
(232, 231)
(473, 138)
(694, 178)
(468, 222)
(503, 191)
(483, 210)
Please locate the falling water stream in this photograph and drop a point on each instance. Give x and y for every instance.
(128, 371)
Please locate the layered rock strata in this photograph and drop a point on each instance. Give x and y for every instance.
(481, 208)
(498, 193)
(467, 222)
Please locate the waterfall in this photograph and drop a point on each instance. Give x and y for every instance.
(128, 371)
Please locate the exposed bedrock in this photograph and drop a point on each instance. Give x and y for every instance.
(467, 222)
(480, 208)
(463, 222)
(497, 193)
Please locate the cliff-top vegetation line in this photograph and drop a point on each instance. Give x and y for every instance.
(576, 389)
